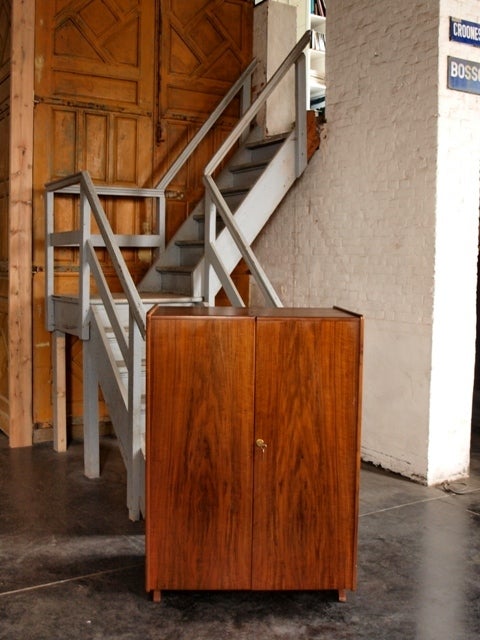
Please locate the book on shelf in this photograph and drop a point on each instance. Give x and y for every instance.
(317, 41)
(318, 8)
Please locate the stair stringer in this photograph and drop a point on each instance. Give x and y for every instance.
(112, 378)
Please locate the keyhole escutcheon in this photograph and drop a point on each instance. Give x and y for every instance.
(261, 444)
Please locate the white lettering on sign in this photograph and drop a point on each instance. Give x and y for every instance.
(464, 71)
(466, 31)
(463, 75)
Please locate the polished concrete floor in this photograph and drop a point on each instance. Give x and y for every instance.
(72, 565)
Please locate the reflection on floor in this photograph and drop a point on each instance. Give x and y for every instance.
(72, 565)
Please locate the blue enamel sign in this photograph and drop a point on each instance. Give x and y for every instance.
(463, 75)
(465, 31)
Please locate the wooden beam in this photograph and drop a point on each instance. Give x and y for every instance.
(20, 223)
(59, 392)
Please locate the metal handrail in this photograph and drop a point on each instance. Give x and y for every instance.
(213, 198)
(88, 263)
(258, 103)
(81, 184)
(243, 84)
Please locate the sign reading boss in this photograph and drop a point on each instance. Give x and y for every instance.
(463, 75)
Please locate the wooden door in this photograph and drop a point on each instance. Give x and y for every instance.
(305, 495)
(199, 451)
(94, 103)
(120, 87)
(205, 45)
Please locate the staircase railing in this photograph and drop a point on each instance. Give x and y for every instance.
(242, 86)
(89, 264)
(131, 348)
(90, 267)
(214, 201)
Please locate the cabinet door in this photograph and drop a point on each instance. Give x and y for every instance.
(199, 453)
(305, 480)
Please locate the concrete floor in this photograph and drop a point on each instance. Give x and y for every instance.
(72, 565)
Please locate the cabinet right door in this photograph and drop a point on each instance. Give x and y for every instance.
(306, 478)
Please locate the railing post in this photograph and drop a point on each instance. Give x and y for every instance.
(161, 207)
(91, 434)
(245, 102)
(301, 114)
(85, 225)
(210, 234)
(49, 259)
(59, 391)
(135, 482)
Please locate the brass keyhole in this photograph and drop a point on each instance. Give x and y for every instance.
(261, 444)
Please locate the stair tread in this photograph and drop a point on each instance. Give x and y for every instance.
(263, 142)
(184, 269)
(247, 166)
(229, 191)
(200, 217)
(190, 243)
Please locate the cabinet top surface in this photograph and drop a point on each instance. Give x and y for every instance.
(250, 312)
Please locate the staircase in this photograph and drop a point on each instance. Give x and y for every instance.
(261, 171)
(191, 270)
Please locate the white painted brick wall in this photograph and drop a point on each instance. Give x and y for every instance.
(384, 221)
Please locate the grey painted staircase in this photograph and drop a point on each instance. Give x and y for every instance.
(190, 270)
(260, 172)
(253, 183)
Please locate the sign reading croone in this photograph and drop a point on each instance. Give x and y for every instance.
(465, 31)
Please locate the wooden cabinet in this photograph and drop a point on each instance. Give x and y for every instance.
(252, 448)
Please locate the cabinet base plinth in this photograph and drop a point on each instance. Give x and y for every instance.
(156, 595)
(342, 595)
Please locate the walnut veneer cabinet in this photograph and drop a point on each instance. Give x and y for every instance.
(253, 435)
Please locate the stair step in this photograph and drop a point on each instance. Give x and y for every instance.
(175, 269)
(178, 269)
(234, 196)
(200, 218)
(190, 243)
(245, 175)
(248, 166)
(234, 191)
(265, 142)
(177, 278)
(191, 251)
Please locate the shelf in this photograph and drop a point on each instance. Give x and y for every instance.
(318, 22)
(316, 57)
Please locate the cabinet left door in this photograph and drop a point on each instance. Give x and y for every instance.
(200, 390)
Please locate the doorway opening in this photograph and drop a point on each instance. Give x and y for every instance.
(475, 435)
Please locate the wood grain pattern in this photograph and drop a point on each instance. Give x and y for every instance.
(219, 380)
(199, 457)
(305, 482)
(94, 89)
(5, 49)
(20, 225)
(108, 73)
(204, 46)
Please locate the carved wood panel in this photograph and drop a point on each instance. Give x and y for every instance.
(94, 90)
(120, 88)
(5, 18)
(204, 46)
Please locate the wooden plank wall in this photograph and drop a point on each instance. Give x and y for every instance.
(20, 223)
(4, 141)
